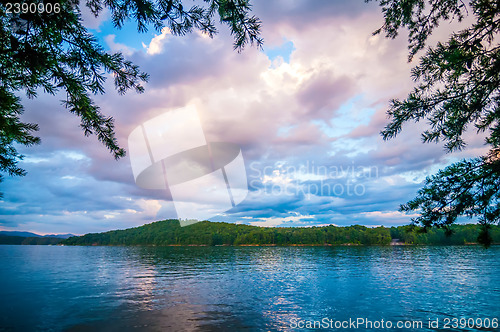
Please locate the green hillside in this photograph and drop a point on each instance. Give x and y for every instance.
(169, 232)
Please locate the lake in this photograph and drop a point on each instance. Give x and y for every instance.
(56, 288)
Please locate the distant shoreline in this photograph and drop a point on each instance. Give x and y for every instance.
(275, 245)
(169, 233)
(206, 233)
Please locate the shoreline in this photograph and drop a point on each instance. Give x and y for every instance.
(275, 245)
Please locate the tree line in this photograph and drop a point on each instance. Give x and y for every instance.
(169, 232)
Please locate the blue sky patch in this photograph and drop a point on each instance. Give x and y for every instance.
(284, 51)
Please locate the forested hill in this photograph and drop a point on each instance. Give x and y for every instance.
(169, 232)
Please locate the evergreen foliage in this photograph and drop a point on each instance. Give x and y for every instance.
(458, 89)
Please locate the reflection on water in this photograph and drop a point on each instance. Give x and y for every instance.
(240, 288)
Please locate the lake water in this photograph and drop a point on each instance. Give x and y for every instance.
(52, 288)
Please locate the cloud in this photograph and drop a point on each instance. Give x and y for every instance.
(118, 47)
(91, 21)
(156, 44)
(277, 221)
(389, 214)
(323, 92)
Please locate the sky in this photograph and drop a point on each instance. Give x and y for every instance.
(306, 111)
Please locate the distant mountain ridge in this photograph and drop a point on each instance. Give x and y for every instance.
(32, 240)
(29, 234)
(29, 238)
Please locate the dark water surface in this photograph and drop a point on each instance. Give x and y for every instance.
(53, 288)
